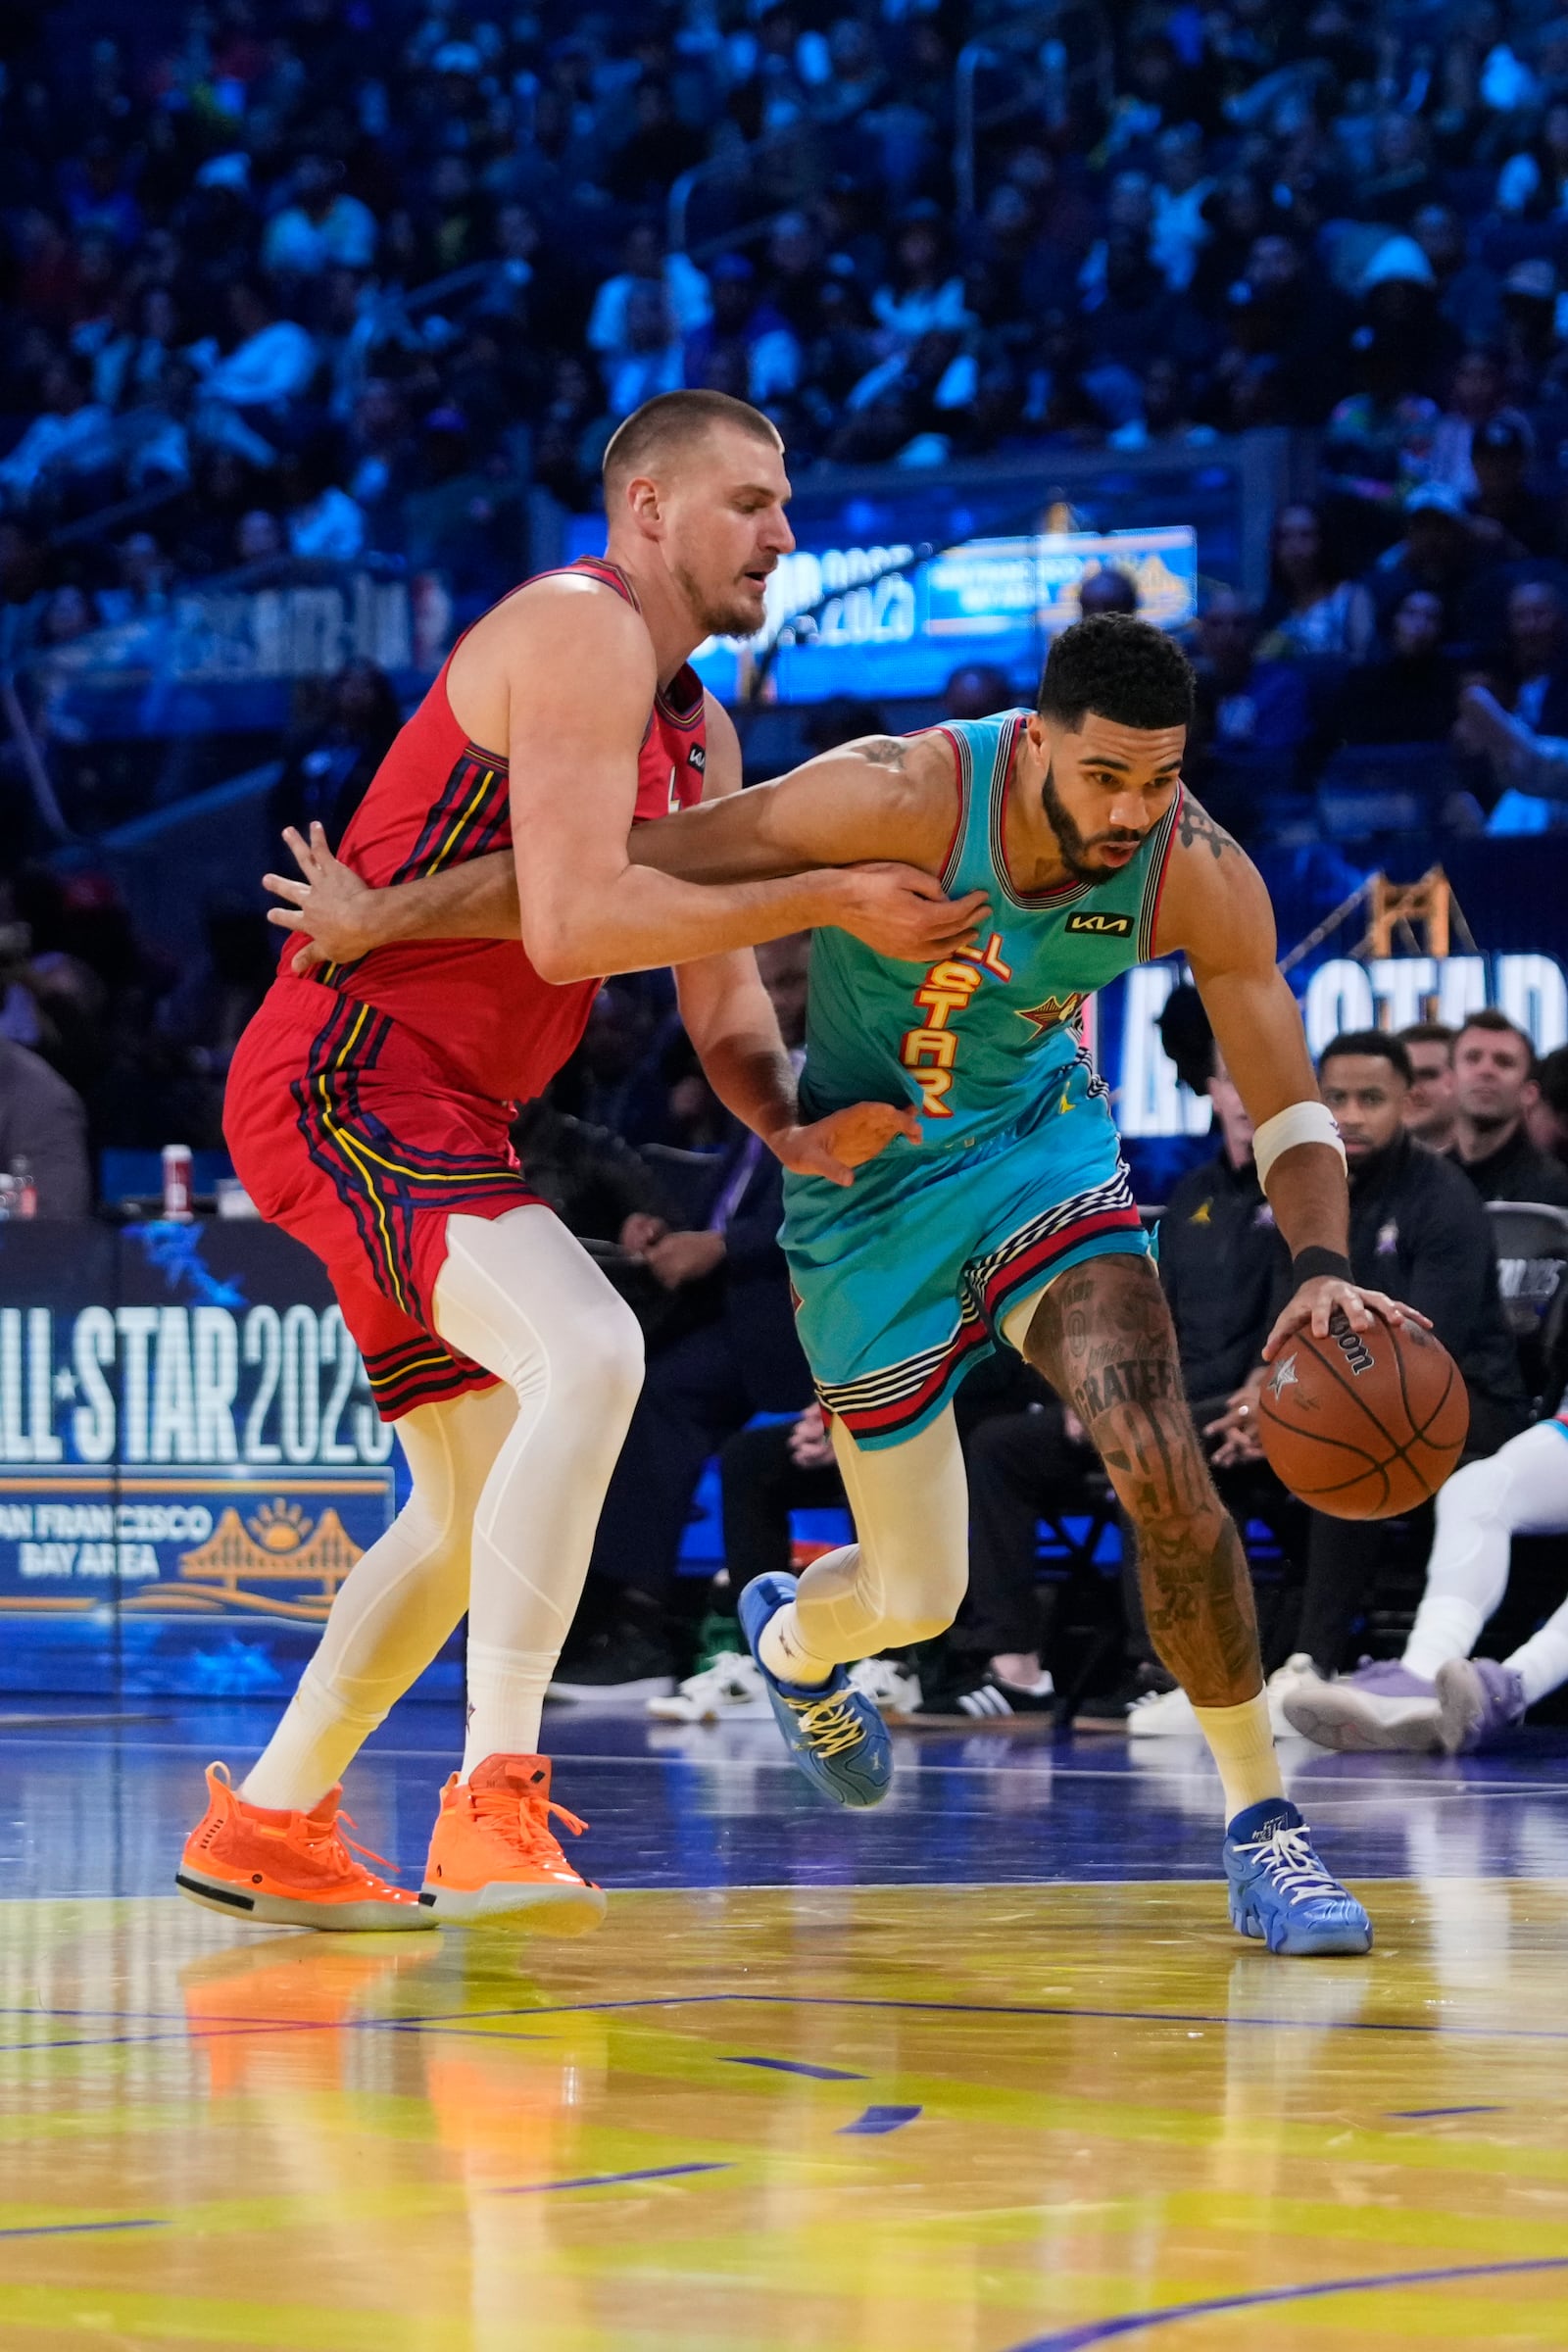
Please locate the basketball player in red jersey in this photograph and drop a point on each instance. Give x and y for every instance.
(367, 1113)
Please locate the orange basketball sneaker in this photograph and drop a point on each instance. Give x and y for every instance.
(494, 1853)
(290, 1870)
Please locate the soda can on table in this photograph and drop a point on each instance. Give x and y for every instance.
(177, 1184)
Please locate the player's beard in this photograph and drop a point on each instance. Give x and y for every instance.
(719, 618)
(1077, 849)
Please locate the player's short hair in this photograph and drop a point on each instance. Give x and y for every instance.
(1428, 1032)
(1498, 1024)
(1122, 669)
(670, 424)
(1376, 1041)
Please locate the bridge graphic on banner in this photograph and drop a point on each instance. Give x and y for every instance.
(278, 1544)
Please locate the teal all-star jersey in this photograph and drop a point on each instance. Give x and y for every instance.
(904, 1279)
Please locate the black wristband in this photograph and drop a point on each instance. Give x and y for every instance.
(1309, 1265)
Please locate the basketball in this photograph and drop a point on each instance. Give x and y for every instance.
(1363, 1424)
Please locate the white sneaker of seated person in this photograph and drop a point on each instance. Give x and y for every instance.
(891, 1688)
(1381, 1707)
(730, 1686)
(1168, 1714)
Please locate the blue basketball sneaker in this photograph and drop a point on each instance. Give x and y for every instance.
(1280, 1891)
(833, 1732)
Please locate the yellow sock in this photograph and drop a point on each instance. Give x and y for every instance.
(1240, 1741)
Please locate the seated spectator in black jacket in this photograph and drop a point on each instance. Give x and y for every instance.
(1547, 1116)
(732, 1353)
(43, 1135)
(1419, 1233)
(1430, 1110)
(1411, 695)
(1495, 1089)
(599, 1187)
(764, 1474)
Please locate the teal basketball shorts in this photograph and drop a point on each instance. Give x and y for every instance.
(902, 1280)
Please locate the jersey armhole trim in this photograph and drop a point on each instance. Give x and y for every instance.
(1154, 882)
(964, 773)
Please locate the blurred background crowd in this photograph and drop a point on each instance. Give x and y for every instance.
(297, 292)
(304, 283)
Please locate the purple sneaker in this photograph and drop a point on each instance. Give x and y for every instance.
(1478, 1701)
(1381, 1705)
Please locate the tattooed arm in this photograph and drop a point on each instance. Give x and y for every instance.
(878, 797)
(1217, 911)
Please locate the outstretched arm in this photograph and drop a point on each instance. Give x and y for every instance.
(880, 804)
(579, 680)
(1217, 911)
(341, 917)
(873, 800)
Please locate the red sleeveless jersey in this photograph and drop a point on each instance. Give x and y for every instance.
(436, 800)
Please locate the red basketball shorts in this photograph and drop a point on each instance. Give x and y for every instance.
(347, 1130)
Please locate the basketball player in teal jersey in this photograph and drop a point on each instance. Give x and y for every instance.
(1011, 1222)
(1001, 1213)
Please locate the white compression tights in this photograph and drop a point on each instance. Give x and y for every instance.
(1521, 1490)
(508, 1484)
(903, 1578)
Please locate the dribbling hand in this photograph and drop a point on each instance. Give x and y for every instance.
(331, 906)
(1326, 1294)
(835, 1146)
(902, 913)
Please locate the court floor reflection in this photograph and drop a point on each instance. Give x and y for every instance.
(102, 1809)
(902, 2118)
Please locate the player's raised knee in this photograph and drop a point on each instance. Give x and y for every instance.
(607, 1356)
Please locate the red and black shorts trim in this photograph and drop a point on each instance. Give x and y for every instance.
(880, 1407)
(383, 1178)
(421, 1371)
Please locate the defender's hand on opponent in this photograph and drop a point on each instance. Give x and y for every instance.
(902, 913)
(331, 906)
(835, 1146)
(1328, 1295)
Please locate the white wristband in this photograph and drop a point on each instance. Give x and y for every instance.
(1297, 1123)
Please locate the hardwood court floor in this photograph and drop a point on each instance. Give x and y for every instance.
(904, 2118)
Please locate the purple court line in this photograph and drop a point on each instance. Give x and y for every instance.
(1101, 2332)
(234, 2029)
(878, 2120)
(461, 2022)
(1153, 2017)
(1416, 2114)
(652, 2172)
(78, 2228)
(797, 2066)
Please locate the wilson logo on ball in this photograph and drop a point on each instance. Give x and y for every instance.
(1352, 1345)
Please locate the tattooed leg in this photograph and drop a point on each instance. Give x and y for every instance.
(1102, 1336)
